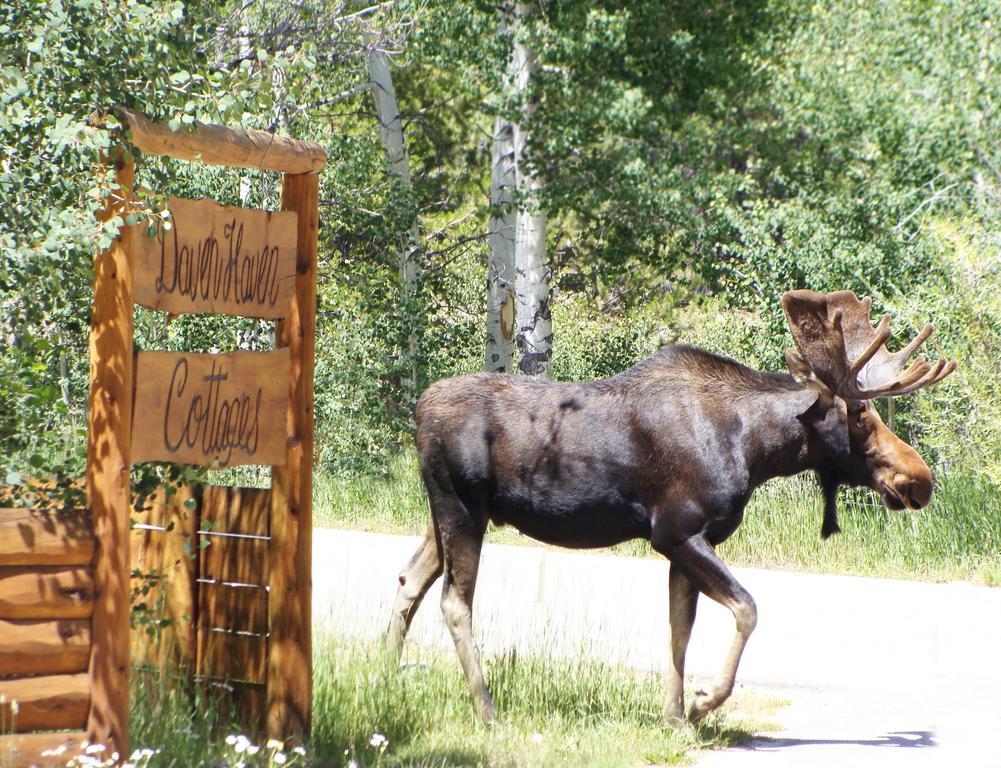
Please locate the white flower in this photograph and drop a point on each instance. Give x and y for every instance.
(299, 750)
(242, 742)
(378, 741)
(253, 749)
(352, 763)
(280, 758)
(537, 738)
(14, 708)
(93, 749)
(275, 744)
(231, 739)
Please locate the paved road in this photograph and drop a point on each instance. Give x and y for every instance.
(876, 672)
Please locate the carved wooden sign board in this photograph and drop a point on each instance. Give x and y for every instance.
(213, 410)
(219, 259)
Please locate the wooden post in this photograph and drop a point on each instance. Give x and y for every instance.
(290, 669)
(109, 428)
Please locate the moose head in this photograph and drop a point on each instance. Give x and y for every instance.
(844, 359)
(669, 451)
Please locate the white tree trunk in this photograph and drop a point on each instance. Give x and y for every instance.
(534, 325)
(501, 262)
(391, 128)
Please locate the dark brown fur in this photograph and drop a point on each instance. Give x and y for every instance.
(668, 451)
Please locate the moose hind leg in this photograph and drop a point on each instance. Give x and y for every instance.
(462, 559)
(711, 577)
(415, 579)
(683, 601)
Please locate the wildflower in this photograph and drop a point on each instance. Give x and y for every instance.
(280, 758)
(299, 750)
(352, 763)
(378, 741)
(241, 744)
(231, 739)
(275, 744)
(253, 749)
(93, 749)
(14, 708)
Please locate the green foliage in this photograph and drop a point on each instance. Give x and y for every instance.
(699, 159)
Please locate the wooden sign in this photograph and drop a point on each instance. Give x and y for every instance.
(212, 410)
(217, 258)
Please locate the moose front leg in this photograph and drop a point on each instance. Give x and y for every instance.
(683, 598)
(710, 576)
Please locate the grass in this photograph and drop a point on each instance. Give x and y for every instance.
(551, 714)
(957, 537)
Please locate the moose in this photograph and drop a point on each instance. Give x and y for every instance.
(668, 451)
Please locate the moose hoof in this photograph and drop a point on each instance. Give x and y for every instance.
(701, 706)
(487, 712)
(676, 722)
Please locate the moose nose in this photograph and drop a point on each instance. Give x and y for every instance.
(915, 491)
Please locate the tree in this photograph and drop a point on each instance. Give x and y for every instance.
(387, 112)
(517, 273)
(501, 236)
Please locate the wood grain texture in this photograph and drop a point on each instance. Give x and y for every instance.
(232, 656)
(219, 145)
(217, 258)
(43, 537)
(52, 702)
(234, 559)
(49, 592)
(165, 572)
(236, 510)
(239, 609)
(290, 599)
(109, 425)
(34, 749)
(31, 647)
(212, 410)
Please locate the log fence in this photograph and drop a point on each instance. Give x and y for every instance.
(229, 568)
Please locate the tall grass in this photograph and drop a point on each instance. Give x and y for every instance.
(550, 713)
(958, 536)
(371, 713)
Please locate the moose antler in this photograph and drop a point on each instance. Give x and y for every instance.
(840, 347)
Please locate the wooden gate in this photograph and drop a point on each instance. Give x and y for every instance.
(213, 410)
